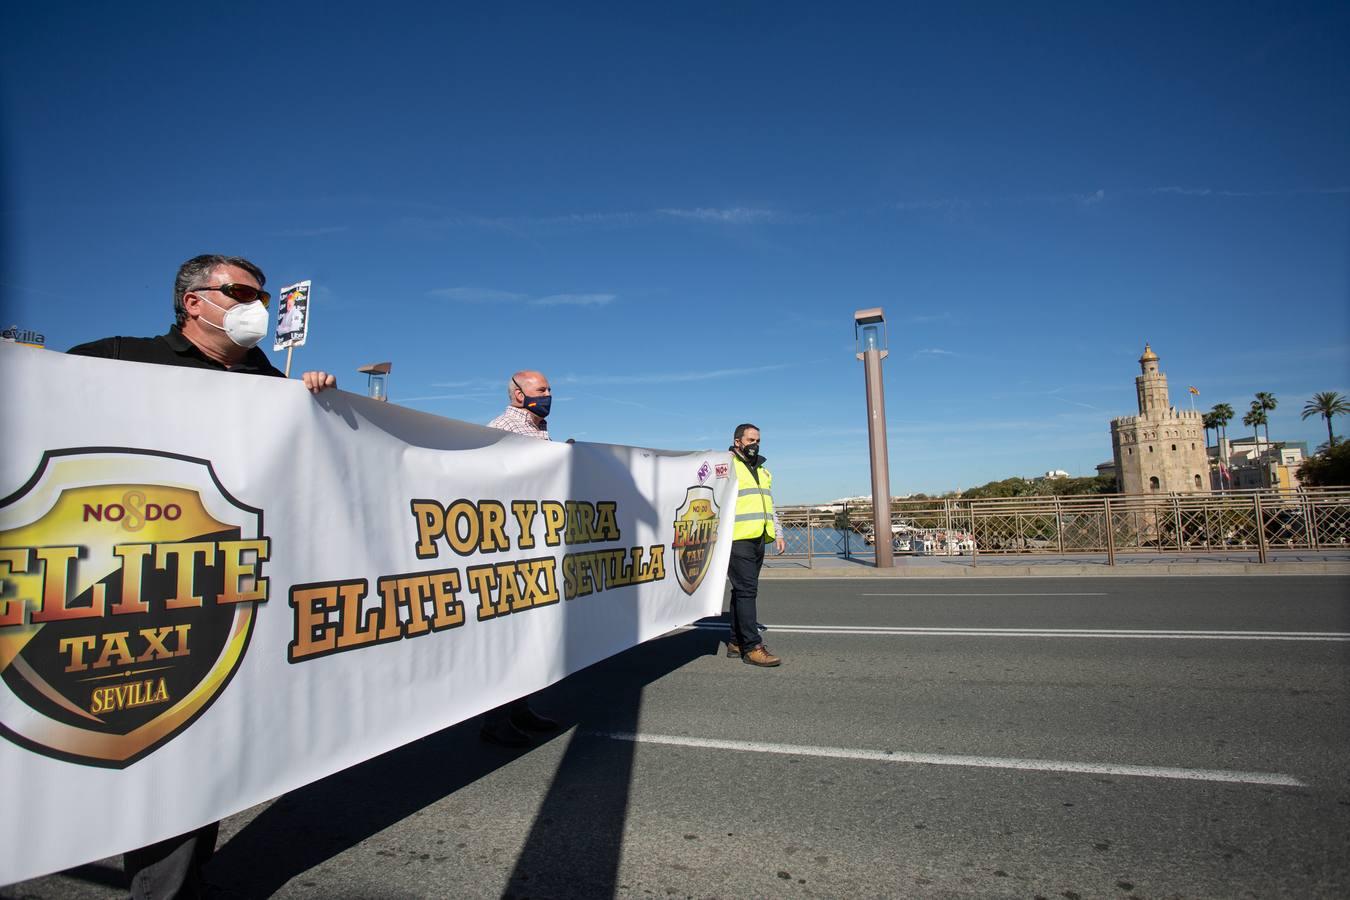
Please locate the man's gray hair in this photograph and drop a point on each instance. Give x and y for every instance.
(195, 273)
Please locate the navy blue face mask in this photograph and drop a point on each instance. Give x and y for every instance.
(537, 405)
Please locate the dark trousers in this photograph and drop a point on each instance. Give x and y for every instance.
(171, 868)
(495, 717)
(747, 557)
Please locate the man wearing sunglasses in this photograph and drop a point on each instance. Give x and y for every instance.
(220, 311)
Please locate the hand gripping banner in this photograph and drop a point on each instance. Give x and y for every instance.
(215, 588)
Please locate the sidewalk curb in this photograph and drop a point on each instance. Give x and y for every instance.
(1062, 571)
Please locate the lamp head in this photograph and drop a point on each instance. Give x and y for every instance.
(869, 331)
(377, 383)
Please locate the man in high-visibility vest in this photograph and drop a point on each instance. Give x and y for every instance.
(755, 526)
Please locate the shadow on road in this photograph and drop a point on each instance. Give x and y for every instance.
(574, 844)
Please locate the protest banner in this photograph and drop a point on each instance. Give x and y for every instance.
(218, 588)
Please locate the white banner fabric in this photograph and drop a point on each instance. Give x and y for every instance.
(217, 588)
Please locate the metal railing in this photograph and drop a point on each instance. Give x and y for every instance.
(1232, 521)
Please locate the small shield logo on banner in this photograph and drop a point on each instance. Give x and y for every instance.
(129, 582)
(695, 536)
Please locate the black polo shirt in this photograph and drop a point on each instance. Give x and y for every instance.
(172, 349)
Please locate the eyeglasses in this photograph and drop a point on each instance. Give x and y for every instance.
(243, 293)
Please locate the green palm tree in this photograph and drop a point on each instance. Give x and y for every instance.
(1223, 414)
(1210, 422)
(1327, 404)
(1254, 419)
(1267, 402)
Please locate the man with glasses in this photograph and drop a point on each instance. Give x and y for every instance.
(529, 399)
(221, 314)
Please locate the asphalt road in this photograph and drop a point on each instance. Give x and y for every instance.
(1021, 737)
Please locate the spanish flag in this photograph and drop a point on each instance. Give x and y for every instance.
(1193, 390)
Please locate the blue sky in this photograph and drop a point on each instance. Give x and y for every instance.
(674, 210)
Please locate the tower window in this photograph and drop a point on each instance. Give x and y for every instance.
(1130, 451)
(1174, 448)
(1197, 482)
(1150, 448)
(1153, 484)
(1192, 445)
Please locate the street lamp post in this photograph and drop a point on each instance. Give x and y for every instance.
(869, 334)
(377, 388)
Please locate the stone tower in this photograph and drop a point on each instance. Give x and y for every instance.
(1161, 450)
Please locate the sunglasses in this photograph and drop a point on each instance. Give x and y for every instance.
(243, 293)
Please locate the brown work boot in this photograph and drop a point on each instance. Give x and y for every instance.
(733, 650)
(759, 655)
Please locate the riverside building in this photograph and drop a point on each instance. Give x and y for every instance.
(1161, 450)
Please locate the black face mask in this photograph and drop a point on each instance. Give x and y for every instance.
(751, 450)
(540, 406)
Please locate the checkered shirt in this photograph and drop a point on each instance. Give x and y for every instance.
(519, 421)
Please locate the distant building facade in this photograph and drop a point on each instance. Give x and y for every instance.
(1161, 450)
(1251, 462)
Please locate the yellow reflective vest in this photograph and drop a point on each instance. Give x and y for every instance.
(754, 503)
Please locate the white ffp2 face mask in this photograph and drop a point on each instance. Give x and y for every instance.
(245, 323)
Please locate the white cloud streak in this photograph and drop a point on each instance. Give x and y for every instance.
(734, 216)
(1209, 192)
(668, 377)
(1100, 196)
(574, 300)
(467, 398)
(476, 295)
(490, 295)
(479, 383)
(310, 232)
(945, 204)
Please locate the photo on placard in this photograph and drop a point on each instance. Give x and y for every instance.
(292, 316)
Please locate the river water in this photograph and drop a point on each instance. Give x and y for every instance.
(828, 542)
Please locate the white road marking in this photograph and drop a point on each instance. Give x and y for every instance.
(1125, 633)
(999, 594)
(946, 759)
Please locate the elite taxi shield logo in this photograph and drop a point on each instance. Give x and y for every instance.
(695, 536)
(129, 582)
